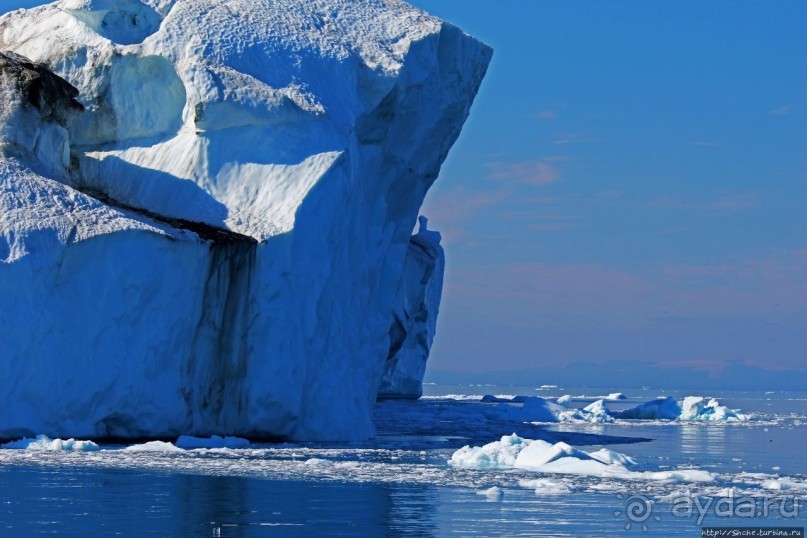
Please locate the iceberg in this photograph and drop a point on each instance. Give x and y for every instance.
(206, 211)
(699, 408)
(660, 408)
(414, 323)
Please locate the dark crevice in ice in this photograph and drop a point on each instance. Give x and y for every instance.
(218, 236)
(213, 378)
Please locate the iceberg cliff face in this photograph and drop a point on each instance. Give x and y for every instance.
(414, 322)
(205, 229)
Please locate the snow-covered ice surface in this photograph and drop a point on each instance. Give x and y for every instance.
(206, 229)
(557, 479)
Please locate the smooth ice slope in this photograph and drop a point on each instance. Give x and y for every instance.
(215, 245)
(415, 320)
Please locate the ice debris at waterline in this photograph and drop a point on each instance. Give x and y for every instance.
(535, 455)
(44, 443)
(537, 409)
(205, 216)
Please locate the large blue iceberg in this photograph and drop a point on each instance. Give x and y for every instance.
(206, 213)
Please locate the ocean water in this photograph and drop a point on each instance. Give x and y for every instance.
(400, 483)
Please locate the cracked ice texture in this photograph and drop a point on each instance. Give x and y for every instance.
(312, 130)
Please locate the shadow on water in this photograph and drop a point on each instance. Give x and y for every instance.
(104, 502)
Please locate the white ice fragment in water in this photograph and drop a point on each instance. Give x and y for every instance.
(153, 446)
(494, 493)
(564, 400)
(499, 454)
(783, 484)
(45, 443)
(560, 458)
(544, 486)
(698, 408)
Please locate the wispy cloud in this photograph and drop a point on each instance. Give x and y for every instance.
(569, 137)
(546, 115)
(537, 173)
(727, 202)
(785, 110)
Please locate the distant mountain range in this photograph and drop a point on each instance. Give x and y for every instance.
(631, 374)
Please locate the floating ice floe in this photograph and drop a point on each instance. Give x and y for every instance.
(45, 443)
(494, 493)
(561, 458)
(698, 408)
(544, 486)
(784, 484)
(691, 408)
(660, 408)
(537, 409)
(153, 446)
(189, 442)
(616, 396)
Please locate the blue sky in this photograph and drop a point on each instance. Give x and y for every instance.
(631, 185)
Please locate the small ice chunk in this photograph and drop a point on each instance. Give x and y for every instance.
(597, 408)
(496, 455)
(318, 462)
(678, 476)
(46, 444)
(494, 493)
(544, 486)
(564, 400)
(616, 396)
(189, 442)
(783, 484)
(153, 446)
(698, 408)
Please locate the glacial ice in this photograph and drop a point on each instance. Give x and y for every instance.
(560, 458)
(207, 231)
(153, 446)
(659, 408)
(414, 323)
(699, 408)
